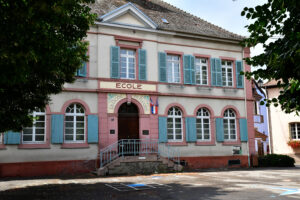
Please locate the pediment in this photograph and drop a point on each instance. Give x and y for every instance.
(130, 15)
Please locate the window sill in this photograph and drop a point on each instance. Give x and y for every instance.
(74, 145)
(205, 143)
(34, 146)
(229, 143)
(2, 146)
(177, 143)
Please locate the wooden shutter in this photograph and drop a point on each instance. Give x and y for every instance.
(193, 70)
(11, 137)
(190, 125)
(162, 129)
(213, 72)
(57, 129)
(115, 62)
(142, 64)
(243, 130)
(82, 71)
(162, 63)
(219, 129)
(187, 69)
(239, 77)
(92, 128)
(218, 67)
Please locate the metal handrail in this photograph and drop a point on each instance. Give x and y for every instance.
(126, 147)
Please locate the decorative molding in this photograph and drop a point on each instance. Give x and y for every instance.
(144, 100)
(112, 101)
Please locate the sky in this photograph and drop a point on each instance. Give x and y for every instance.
(223, 13)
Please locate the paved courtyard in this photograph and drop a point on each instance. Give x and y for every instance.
(234, 184)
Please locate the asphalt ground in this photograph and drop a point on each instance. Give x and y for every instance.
(267, 183)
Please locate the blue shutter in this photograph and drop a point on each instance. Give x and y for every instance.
(162, 129)
(239, 77)
(57, 124)
(243, 130)
(213, 72)
(114, 62)
(219, 129)
(82, 71)
(11, 137)
(193, 70)
(190, 127)
(218, 68)
(187, 69)
(92, 128)
(142, 64)
(162, 63)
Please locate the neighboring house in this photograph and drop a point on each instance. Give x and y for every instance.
(283, 127)
(144, 53)
(260, 121)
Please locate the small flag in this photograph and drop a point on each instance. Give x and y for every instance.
(154, 108)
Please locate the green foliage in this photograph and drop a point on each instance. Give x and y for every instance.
(276, 160)
(278, 20)
(41, 48)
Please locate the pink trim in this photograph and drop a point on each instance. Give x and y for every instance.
(74, 145)
(130, 39)
(184, 113)
(177, 44)
(227, 58)
(140, 107)
(69, 102)
(2, 146)
(34, 146)
(212, 141)
(201, 55)
(80, 90)
(184, 143)
(178, 53)
(238, 116)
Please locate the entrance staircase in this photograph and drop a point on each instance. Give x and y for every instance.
(136, 156)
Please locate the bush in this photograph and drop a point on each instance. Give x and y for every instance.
(276, 160)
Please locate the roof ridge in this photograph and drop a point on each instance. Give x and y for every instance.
(211, 24)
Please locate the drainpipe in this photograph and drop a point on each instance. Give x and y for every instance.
(269, 124)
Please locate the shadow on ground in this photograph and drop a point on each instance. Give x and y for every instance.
(102, 191)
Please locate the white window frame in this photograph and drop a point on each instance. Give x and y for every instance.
(74, 114)
(201, 116)
(228, 118)
(199, 67)
(296, 124)
(35, 114)
(173, 62)
(226, 67)
(173, 117)
(128, 56)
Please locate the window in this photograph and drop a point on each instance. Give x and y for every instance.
(201, 71)
(173, 68)
(295, 131)
(127, 64)
(202, 124)
(174, 124)
(74, 124)
(229, 121)
(36, 133)
(227, 71)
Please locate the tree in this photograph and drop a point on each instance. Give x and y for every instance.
(279, 20)
(41, 48)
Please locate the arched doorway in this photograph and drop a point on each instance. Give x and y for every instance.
(128, 121)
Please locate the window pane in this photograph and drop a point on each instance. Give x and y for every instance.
(170, 137)
(39, 131)
(69, 137)
(80, 137)
(69, 124)
(178, 137)
(39, 138)
(69, 131)
(27, 138)
(27, 131)
(69, 118)
(40, 118)
(40, 124)
(79, 131)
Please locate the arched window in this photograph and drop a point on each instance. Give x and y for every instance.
(229, 121)
(174, 124)
(203, 124)
(75, 123)
(37, 132)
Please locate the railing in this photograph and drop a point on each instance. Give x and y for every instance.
(134, 147)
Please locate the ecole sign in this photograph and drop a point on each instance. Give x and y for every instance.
(127, 86)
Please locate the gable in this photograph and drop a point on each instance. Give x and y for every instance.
(128, 14)
(129, 19)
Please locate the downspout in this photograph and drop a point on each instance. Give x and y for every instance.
(269, 124)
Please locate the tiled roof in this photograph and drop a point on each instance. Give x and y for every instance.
(179, 20)
(270, 83)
